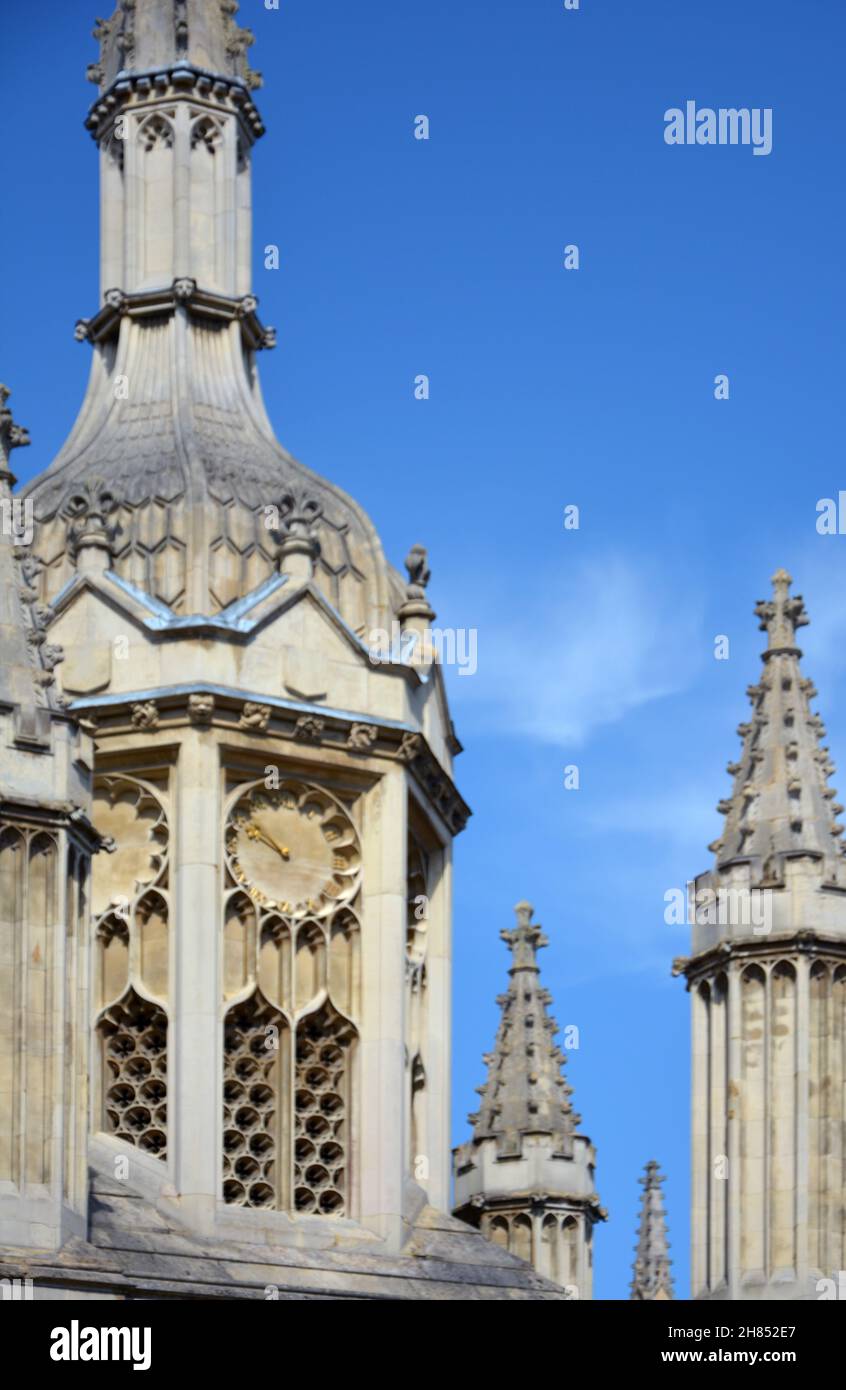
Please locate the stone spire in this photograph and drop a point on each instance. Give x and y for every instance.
(173, 430)
(652, 1280)
(146, 36)
(525, 1092)
(526, 1177)
(766, 977)
(781, 804)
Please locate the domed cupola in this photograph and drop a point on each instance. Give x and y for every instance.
(173, 455)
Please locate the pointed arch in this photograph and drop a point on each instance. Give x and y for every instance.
(499, 1231)
(323, 1085)
(133, 1039)
(256, 1098)
(521, 1238)
(345, 962)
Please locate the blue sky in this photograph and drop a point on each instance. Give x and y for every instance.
(548, 388)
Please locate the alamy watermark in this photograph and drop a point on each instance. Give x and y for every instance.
(720, 907)
(403, 646)
(17, 519)
(727, 125)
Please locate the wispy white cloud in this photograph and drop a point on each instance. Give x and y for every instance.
(592, 644)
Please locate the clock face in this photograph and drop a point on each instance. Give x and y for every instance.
(294, 849)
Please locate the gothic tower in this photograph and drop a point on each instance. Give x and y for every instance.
(767, 980)
(652, 1281)
(46, 843)
(526, 1177)
(268, 1030)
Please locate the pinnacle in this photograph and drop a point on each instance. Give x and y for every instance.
(651, 1271)
(525, 1091)
(780, 802)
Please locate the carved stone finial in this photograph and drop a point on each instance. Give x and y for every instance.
(419, 574)
(89, 512)
(782, 614)
(298, 516)
(525, 939)
(416, 613)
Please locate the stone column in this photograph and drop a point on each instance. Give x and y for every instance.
(803, 1049)
(438, 1045)
(717, 1155)
(383, 1092)
(700, 1157)
(734, 1123)
(195, 1063)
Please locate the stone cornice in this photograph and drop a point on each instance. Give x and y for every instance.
(517, 1202)
(55, 815)
(774, 947)
(183, 293)
(176, 80)
(293, 722)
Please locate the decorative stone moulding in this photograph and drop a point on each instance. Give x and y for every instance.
(174, 80)
(183, 293)
(763, 950)
(334, 731)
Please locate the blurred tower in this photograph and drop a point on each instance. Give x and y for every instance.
(767, 980)
(652, 1280)
(526, 1177)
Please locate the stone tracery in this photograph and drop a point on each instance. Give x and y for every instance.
(293, 964)
(130, 900)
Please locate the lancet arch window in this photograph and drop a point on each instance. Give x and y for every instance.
(131, 915)
(292, 984)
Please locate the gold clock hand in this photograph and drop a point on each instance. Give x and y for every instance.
(256, 833)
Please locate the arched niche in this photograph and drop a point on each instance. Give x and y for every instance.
(112, 957)
(239, 934)
(498, 1231)
(569, 1247)
(155, 191)
(309, 963)
(521, 1238)
(345, 962)
(151, 925)
(550, 1261)
(274, 969)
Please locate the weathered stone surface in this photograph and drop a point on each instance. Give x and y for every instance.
(767, 978)
(526, 1177)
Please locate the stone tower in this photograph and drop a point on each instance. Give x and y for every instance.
(526, 1177)
(652, 1281)
(268, 1029)
(46, 843)
(767, 979)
